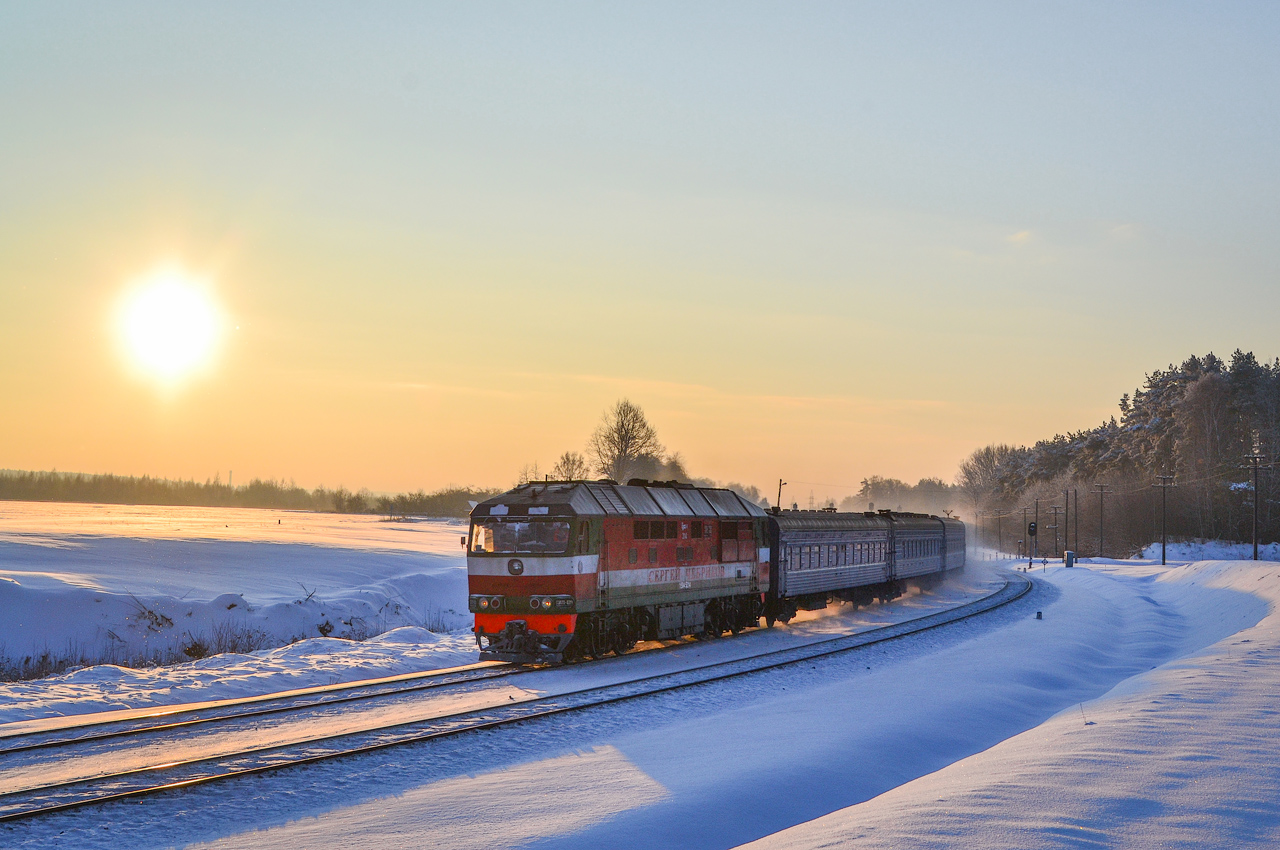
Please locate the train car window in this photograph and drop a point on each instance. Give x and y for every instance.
(672, 532)
(653, 555)
(695, 528)
(632, 556)
(641, 529)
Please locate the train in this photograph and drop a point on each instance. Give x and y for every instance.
(561, 571)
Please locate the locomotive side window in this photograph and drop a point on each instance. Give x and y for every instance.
(672, 530)
(641, 529)
(695, 529)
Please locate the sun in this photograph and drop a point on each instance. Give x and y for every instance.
(169, 325)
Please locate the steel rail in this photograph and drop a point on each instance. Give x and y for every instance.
(295, 702)
(63, 796)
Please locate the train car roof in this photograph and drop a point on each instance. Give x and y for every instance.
(608, 498)
(837, 521)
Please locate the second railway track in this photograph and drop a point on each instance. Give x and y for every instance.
(39, 797)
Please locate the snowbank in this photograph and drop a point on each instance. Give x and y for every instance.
(1212, 550)
(1183, 755)
(82, 585)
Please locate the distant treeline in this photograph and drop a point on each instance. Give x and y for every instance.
(1203, 424)
(929, 495)
(129, 490)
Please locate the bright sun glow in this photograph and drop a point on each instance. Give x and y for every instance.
(170, 325)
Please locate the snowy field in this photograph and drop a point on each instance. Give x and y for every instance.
(1138, 712)
(109, 583)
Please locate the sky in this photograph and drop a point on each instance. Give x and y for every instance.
(814, 241)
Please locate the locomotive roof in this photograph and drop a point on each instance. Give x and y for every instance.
(606, 498)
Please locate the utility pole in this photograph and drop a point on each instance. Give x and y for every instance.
(999, 535)
(1066, 516)
(1102, 497)
(1255, 463)
(1164, 486)
(1055, 509)
(1075, 494)
(1027, 551)
(781, 484)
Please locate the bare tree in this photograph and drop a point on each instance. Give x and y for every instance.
(979, 476)
(529, 472)
(571, 466)
(622, 438)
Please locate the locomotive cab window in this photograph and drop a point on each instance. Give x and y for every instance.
(526, 537)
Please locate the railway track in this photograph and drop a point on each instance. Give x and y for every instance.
(45, 797)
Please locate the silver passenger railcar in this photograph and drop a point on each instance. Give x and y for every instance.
(822, 555)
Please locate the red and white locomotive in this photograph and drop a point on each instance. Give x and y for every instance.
(569, 569)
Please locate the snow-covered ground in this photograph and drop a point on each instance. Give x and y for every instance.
(1139, 711)
(129, 584)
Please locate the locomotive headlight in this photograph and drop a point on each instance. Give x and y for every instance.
(484, 602)
(546, 603)
(534, 602)
(495, 602)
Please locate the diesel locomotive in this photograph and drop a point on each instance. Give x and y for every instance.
(562, 570)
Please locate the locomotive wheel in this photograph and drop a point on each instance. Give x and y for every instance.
(737, 621)
(622, 639)
(711, 622)
(594, 648)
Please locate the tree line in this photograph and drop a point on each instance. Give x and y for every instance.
(1193, 426)
(56, 486)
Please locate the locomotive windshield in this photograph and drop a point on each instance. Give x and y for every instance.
(538, 536)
